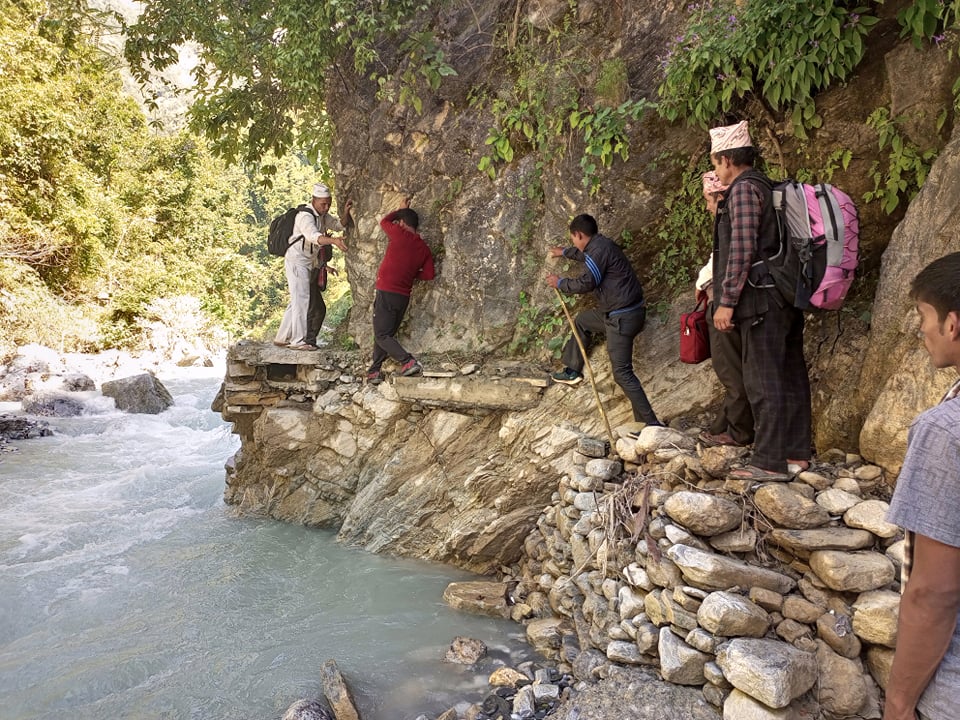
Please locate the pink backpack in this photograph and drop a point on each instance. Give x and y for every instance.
(819, 244)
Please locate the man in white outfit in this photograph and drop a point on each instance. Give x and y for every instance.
(311, 231)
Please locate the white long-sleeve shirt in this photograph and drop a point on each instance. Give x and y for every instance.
(312, 227)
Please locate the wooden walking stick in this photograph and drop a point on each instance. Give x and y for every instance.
(586, 364)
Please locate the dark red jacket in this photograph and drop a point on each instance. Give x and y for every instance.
(407, 259)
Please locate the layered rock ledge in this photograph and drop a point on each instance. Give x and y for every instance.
(450, 466)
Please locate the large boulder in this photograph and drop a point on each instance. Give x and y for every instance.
(898, 381)
(768, 670)
(52, 405)
(138, 394)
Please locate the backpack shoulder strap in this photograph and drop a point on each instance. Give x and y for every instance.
(833, 231)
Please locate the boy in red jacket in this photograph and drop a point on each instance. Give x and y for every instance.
(407, 259)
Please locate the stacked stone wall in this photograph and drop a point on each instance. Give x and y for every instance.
(779, 599)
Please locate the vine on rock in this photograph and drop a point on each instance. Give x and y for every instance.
(779, 51)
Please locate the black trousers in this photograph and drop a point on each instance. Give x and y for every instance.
(777, 385)
(620, 332)
(388, 311)
(316, 309)
(726, 354)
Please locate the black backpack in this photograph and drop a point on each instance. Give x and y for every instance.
(279, 238)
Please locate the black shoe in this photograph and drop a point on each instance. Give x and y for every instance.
(567, 377)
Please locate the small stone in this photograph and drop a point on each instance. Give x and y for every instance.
(789, 508)
(481, 597)
(624, 652)
(801, 610)
(791, 630)
(685, 600)
(702, 640)
(665, 573)
(648, 635)
(678, 536)
(544, 692)
(680, 663)
(604, 469)
(868, 473)
(469, 369)
(716, 572)
(829, 538)
(653, 438)
(465, 651)
(507, 677)
(741, 540)
(703, 514)
(654, 608)
(767, 599)
(637, 577)
(814, 480)
(630, 601)
(740, 706)
(871, 515)
(848, 484)
(714, 695)
(837, 502)
(852, 572)
(730, 615)
(842, 690)
(896, 552)
(627, 450)
(714, 676)
(585, 501)
(337, 693)
(879, 662)
(837, 631)
(769, 670)
(524, 702)
(875, 617)
(716, 461)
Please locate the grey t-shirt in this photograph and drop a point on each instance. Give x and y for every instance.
(927, 502)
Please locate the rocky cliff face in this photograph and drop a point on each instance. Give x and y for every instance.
(449, 468)
(491, 236)
(896, 362)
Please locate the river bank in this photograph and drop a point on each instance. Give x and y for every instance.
(610, 561)
(129, 590)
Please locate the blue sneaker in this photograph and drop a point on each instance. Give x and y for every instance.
(567, 377)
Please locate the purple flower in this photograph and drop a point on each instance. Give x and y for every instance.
(731, 21)
(937, 39)
(721, 77)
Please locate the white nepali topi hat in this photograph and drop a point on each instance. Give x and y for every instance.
(321, 191)
(712, 184)
(730, 137)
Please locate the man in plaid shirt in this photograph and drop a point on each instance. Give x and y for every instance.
(746, 302)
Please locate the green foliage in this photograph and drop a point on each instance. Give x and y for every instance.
(106, 228)
(538, 327)
(545, 105)
(424, 58)
(605, 135)
(263, 64)
(837, 160)
(685, 235)
(907, 165)
(928, 20)
(780, 51)
(936, 22)
(612, 87)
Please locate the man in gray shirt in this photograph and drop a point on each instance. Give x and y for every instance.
(925, 677)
